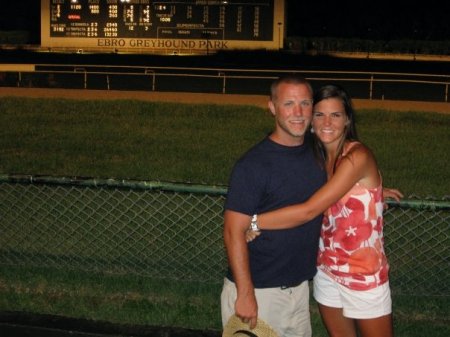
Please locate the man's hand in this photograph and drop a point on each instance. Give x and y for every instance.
(247, 309)
(235, 225)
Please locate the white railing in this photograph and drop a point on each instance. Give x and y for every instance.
(221, 80)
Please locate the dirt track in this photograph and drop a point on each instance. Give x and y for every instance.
(257, 100)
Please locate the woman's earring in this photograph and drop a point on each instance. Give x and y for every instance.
(312, 130)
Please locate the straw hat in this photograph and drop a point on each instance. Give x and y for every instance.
(236, 328)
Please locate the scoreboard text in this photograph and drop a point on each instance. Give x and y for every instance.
(162, 25)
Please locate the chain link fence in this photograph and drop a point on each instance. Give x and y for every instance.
(174, 231)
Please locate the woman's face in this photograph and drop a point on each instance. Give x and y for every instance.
(329, 121)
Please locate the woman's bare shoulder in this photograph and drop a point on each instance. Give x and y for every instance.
(357, 151)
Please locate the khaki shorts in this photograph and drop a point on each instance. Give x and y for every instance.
(357, 304)
(286, 310)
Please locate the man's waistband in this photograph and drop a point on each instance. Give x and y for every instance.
(292, 285)
(286, 286)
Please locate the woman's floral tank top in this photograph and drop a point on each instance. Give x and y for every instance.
(351, 248)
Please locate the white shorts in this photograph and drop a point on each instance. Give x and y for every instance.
(357, 304)
(286, 310)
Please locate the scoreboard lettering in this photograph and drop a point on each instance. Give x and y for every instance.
(182, 25)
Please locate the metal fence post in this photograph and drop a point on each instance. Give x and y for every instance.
(446, 93)
(223, 82)
(150, 71)
(371, 87)
(77, 70)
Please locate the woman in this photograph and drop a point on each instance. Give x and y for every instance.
(351, 285)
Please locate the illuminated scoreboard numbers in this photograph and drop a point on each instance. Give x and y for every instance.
(58, 29)
(231, 24)
(145, 20)
(222, 13)
(94, 9)
(239, 20)
(128, 14)
(244, 20)
(189, 12)
(129, 17)
(256, 22)
(92, 29)
(163, 14)
(205, 14)
(55, 12)
(113, 11)
(145, 16)
(110, 29)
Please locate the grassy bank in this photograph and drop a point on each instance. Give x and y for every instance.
(187, 143)
(197, 143)
(139, 301)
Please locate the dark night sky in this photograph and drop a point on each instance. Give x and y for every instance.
(370, 19)
(362, 19)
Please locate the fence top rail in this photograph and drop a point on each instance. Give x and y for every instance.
(113, 183)
(429, 204)
(93, 68)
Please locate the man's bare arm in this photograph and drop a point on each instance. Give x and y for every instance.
(235, 225)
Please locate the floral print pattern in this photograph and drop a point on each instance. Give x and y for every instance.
(351, 244)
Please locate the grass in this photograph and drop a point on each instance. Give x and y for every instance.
(134, 300)
(114, 298)
(187, 143)
(125, 139)
(196, 143)
(411, 149)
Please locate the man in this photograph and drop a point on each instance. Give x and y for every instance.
(268, 278)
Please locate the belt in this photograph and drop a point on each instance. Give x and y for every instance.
(291, 285)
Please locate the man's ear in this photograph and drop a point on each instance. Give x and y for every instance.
(271, 107)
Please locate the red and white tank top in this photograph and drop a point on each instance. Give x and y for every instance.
(351, 248)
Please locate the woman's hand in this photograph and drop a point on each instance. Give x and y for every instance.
(392, 193)
(250, 234)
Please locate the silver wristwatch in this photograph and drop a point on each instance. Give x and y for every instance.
(254, 223)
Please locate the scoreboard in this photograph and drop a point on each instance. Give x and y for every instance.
(168, 26)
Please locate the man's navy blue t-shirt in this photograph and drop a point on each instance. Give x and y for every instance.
(267, 177)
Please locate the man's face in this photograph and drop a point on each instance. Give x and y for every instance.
(292, 109)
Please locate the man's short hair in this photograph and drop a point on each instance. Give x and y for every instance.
(290, 79)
